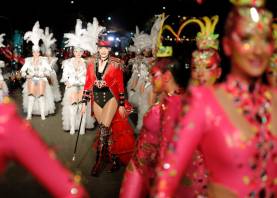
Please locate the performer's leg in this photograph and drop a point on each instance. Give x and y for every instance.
(73, 109)
(99, 158)
(109, 111)
(103, 151)
(31, 98)
(41, 86)
(31, 87)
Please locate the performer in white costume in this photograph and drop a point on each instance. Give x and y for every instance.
(48, 43)
(4, 91)
(139, 87)
(37, 94)
(74, 76)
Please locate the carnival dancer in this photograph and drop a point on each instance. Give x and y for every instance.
(20, 143)
(48, 43)
(234, 122)
(104, 85)
(205, 62)
(157, 127)
(169, 81)
(37, 94)
(74, 76)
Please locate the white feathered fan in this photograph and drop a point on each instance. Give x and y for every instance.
(76, 39)
(34, 36)
(91, 35)
(2, 39)
(48, 40)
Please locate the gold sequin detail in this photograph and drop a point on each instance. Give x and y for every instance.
(246, 180)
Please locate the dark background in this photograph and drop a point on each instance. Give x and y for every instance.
(61, 15)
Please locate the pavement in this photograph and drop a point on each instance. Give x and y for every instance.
(16, 182)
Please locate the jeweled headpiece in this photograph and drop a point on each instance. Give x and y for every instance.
(206, 38)
(254, 3)
(255, 16)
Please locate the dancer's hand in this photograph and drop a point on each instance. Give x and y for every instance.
(122, 111)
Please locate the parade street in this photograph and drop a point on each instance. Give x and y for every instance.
(17, 182)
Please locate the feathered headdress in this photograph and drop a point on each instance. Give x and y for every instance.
(2, 39)
(34, 36)
(255, 16)
(48, 39)
(76, 39)
(206, 38)
(91, 36)
(141, 41)
(156, 34)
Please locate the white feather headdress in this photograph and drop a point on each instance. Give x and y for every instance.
(77, 38)
(2, 39)
(48, 39)
(141, 41)
(34, 36)
(91, 35)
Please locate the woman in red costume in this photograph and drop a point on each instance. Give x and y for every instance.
(104, 84)
(167, 80)
(20, 143)
(234, 123)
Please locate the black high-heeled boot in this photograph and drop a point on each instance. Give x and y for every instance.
(102, 154)
(115, 164)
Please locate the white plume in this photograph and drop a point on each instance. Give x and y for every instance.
(34, 36)
(76, 39)
(141, 41)
(2, 39)
(91, 35)
(48, 39)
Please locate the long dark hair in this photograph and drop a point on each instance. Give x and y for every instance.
(178, 68)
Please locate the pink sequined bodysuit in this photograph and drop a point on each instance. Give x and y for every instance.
(20, 143)
(155, 136)
(235, 126)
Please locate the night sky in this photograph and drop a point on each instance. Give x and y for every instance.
(61, 15)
